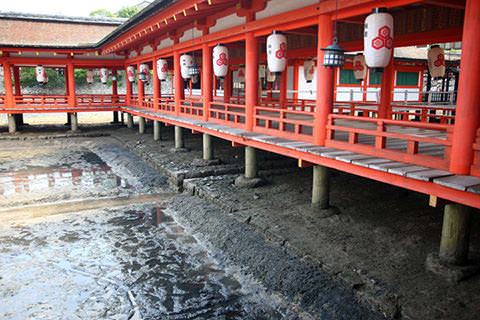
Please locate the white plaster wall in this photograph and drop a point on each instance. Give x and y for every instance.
(228, 22)
(165, 43)
(290, 80)
(347, 93)
(187, 35)
(146, 49)
(132, 54)
(413, 94)
(275, 7)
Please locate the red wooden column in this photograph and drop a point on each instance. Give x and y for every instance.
(468, 101)
(7, 74)
(65, 72)
(385, 106)
(179, 93)
(325, 81)
(206, 79)
(114, 86)
(227, 87)
(283, 88)
(251, 79)
(140, 88)
(128, 86)
(16, 81)
(71, 85)
(156, 85)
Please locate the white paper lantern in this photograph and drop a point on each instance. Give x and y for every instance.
(186, 61)
(277, 52)
(262, 71)
(378, 39)
(131, 73)
(162, 69)
(143, 72)
(241, 74)
(309, 70)
(90, 76)
(359, 67)
(104, 75)
(220, 61)
(40, 74)
(270, 76)
(436, 61)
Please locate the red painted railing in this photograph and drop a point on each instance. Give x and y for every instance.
(100, 100)
(52, 101)
(424, 113)
(229, 114)
(417, 143)
(284, 123)
(192, 108)
(475, 169)
(166, 105)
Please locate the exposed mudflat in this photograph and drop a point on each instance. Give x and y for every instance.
(259, 247)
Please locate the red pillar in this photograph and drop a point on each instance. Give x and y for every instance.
(156, 85)
(227, 87)
(179, 93)
(140, 88)
(283, 88)
(114, 86)
(71, 85)
(385, 106)
(468, 101)
(325, 83)
(16, 80)
(206, 80)
(65, 72)
(7, 74)
(128, 87)
(251, 79)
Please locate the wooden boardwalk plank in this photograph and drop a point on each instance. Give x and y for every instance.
(428, 175)
(458, 182)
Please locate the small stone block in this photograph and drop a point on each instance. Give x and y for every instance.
(242, 182)
(458, 182)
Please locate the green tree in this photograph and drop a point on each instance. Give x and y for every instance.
(127, 12)
(102, 13)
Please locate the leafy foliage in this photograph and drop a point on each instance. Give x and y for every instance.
(125, 12)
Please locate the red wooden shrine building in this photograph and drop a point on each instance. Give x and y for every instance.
(369, 131)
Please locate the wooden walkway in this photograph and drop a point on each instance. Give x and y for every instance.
(468, 184)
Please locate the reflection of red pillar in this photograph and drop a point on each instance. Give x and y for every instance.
(251, 79)
(16, 80)
(179, 93)
(156, 85)
(324, 103)
(206, 80)
(141, 89)
(385, 106)
(468, 102)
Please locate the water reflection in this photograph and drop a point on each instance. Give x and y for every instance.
(41, 180)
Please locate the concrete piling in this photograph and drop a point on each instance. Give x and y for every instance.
(320, 188)
(74, 121)
(12, 124)
(129, 121)
(250, 163)
(141, 125)
(156, 130)
(455, 234)
(179, 143)
(207, 147)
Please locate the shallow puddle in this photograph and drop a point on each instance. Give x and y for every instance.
(86, 265)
